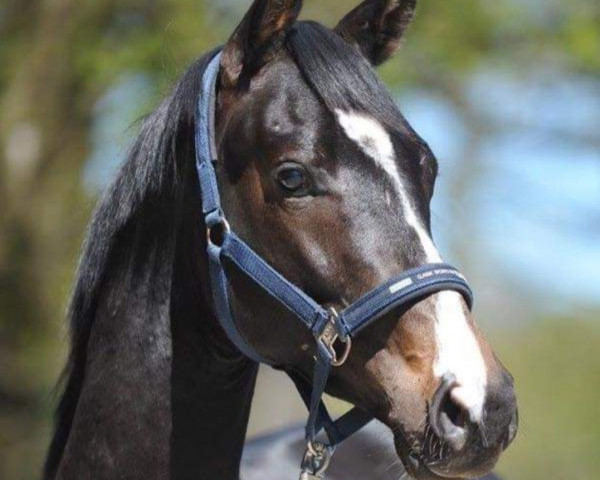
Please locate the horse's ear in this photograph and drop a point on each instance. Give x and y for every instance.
(257, 38)
(377, 27)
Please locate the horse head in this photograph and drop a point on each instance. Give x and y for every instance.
(322, 175)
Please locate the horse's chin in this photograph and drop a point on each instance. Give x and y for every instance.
(417, 469)
(420, 468)
(414, 464)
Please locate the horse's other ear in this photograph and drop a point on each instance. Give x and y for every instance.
(257, 38)
(377, 27)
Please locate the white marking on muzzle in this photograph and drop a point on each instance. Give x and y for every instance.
(458, 352)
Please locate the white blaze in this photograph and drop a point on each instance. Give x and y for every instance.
(458, 352)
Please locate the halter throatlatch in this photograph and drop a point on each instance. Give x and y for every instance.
(333, 331)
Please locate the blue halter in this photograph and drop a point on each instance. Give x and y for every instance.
(333, 331)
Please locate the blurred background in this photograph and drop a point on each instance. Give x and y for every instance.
(506, 92)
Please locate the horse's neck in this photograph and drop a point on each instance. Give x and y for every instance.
(211, 390)
(164, 397)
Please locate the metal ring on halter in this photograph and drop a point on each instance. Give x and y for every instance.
(330, 336)
(223, 228)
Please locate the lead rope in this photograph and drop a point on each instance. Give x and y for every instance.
(318, 455)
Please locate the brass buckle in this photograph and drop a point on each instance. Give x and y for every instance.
(330, 336)
(316, 461)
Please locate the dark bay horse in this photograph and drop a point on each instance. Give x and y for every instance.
(324, 178)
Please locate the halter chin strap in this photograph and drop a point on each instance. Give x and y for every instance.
(333, 331)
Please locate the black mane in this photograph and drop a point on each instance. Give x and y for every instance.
(140, 210)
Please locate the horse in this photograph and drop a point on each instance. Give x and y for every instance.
(323, 177)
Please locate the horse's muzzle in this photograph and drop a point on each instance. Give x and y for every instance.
(460, 447)
(451, 445)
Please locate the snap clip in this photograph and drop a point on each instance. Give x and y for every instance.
(316, 461)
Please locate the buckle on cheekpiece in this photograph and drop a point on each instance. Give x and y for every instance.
(330, 336)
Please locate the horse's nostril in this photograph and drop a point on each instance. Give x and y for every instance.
(454, 412)
(448, 418)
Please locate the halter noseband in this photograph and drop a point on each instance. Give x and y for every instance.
(330, 328)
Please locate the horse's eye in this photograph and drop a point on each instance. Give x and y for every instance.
(292, 179)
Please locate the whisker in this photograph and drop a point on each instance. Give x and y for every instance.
(445, 451)
(483, 431)
(431, 440)
(441, 454)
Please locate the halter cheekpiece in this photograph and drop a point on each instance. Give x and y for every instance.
(333, 331)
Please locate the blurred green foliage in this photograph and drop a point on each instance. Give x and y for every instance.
(59, 57)
(556, 367)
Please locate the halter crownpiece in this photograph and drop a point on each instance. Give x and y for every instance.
(333, 331)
